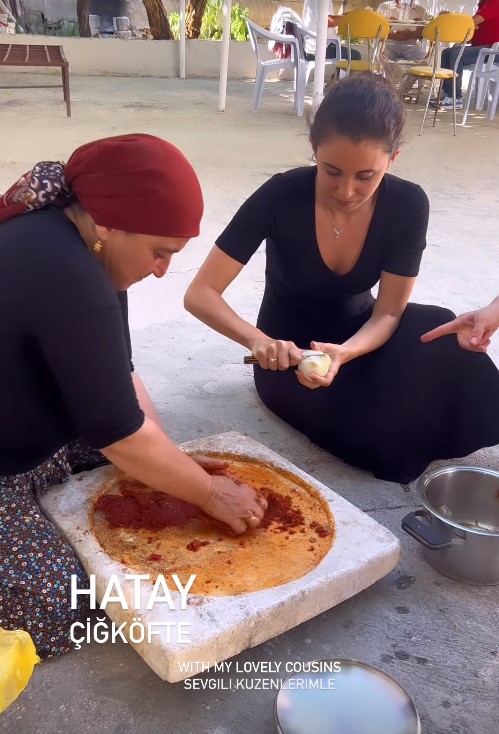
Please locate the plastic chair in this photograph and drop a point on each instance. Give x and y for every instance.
(370, 26)
(263, 67)
(306, 65)
(486, 70)
(448, 28)
(482, 82)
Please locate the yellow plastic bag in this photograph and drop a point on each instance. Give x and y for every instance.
(17, 659)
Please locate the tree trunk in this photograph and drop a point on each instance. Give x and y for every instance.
(14, 8)
(158, 20)
(194, 17)
(82, 10)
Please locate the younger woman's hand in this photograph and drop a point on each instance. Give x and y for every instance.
(337, 354)
(275, 354)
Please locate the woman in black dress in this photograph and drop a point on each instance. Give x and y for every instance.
(389, 403)
(73, 238)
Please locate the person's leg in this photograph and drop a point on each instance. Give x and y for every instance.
(331, 51)
(356, 55)
(447, 61)
(469, 57)
(413, 52)
(36, 563)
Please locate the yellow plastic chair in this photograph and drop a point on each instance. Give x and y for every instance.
(447, 28)
(371, 27)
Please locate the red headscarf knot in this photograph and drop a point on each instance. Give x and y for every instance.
(137, 183)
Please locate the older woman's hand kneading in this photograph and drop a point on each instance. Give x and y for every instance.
(150, 456)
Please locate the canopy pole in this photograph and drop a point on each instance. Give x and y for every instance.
(182, 40)
(224, 55)
(320, 55)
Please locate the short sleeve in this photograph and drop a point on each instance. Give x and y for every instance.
(123, 300)
(253, 222)
(86, 353)
(488, 11)
(409, 234)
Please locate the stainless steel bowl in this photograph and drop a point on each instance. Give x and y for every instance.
(340, 696)
(459, 526)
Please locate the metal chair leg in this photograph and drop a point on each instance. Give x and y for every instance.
(401, 87)
(454, 102)
(439, 97)
(426, 109)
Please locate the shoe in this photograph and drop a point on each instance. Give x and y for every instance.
(446, 103)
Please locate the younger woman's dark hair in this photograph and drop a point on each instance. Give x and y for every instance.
(360, 107)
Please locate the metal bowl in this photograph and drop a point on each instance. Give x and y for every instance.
(459, 526)
(342, 696)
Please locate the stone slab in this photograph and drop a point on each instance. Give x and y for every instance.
(363, 552)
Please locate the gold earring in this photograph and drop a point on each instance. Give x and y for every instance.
(97, 247)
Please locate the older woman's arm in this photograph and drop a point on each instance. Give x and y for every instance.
(145, 401)
(152, 458)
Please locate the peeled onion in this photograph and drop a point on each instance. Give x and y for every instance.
(316, 362)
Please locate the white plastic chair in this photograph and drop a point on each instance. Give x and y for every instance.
(263, 66)
(306, 66)
(485, 72)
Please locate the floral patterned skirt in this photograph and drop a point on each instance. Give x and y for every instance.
(36, 561)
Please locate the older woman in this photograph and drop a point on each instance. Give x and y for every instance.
(73, 238)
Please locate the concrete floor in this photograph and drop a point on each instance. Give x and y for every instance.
(437, 637)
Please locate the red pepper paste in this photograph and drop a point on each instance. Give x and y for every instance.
(144, 510)
(322, 530)
(196, 544)
(155, 557)
(280, 511)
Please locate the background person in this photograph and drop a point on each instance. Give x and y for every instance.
(486, 33)
(310, 17)
(474, 329)
(402, 44)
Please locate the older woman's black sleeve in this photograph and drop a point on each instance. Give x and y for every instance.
(86, 353)
(123, 299)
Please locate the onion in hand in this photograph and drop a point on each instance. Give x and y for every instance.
(314, 362)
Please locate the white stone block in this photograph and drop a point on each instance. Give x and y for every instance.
(220, 627)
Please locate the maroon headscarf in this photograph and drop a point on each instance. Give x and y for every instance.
(137, 183)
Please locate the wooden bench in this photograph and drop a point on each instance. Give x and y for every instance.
(22, 55)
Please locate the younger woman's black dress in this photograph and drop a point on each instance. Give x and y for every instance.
(392, 411)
